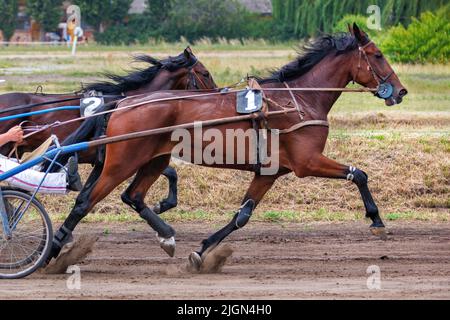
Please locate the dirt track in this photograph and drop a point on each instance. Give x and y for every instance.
(293, 261)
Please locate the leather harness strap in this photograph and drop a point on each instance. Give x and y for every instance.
(300, 125)
(376, 76)
(297, 106)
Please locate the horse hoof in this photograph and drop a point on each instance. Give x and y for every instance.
(168, 245)
(195, 261)
(379, 232)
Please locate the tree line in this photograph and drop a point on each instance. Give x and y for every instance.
(304, 18)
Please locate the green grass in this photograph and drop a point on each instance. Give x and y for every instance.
(321, 215)
(205, 45)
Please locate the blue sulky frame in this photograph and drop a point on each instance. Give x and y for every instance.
(39, 112)
(52, 155)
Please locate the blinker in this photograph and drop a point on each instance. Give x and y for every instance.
(385, 90)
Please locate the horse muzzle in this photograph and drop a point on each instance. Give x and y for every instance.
(387, 92)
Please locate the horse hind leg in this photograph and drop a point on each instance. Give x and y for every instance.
(134, 197)
(172, 199)
(258, 188)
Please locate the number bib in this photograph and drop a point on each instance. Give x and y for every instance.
(91, 105)
(249, 101)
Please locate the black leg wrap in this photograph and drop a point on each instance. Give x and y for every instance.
(171, 174)
(377, 222)
(61, 238)
(245, 214)
(163, 229)
(172, 199)
(239, 221)
(165, 206)
(361, 179)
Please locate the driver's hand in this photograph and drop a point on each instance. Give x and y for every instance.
(15, 134)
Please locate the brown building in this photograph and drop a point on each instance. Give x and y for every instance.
(26, 28)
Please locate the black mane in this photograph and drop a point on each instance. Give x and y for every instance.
(139, 77)
(311, 54)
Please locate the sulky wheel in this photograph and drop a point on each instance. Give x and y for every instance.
(25, 247)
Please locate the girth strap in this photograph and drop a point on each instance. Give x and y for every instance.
(300, 125)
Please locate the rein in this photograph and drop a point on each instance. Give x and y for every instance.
(223, 92)
(28, 106)
(193, 78)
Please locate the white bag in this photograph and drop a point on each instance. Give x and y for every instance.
(29, 180)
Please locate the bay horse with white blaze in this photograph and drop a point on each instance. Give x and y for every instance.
(327, 62)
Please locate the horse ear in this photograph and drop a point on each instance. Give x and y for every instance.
(188, 53)
(350, 29)
(359, 34)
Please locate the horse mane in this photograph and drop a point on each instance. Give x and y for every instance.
(137, 78)
(311, 53)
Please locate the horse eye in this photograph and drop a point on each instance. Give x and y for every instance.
(378, 55)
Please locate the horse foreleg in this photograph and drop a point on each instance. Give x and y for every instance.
(135, 194)
(81, 208)
(321, 166)
(101, 182)
(172, 199)
(258, 188)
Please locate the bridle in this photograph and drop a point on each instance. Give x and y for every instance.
(385, 89)
(194, 78)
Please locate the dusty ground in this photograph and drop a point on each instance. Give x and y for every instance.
(270, 261)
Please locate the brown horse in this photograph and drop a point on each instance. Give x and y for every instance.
(328, 62)
(174, 73)
(182, 72)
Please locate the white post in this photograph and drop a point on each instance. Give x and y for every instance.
(77, 33)
(74, 45)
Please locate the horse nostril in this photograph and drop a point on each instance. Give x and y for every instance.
(403, 93)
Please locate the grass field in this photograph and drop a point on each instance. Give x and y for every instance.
(405, 149)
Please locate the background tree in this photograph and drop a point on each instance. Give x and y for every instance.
(103, 14)
(158, 11)
(153, 21)
(46, 12)
(8, 17)
(425, 40)
(305, 18)
(194, 19)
